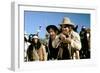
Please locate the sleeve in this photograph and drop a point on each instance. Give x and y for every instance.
(44, 53)
(75, 42)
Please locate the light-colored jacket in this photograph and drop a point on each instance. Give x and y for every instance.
(40, 54)
(75, 40)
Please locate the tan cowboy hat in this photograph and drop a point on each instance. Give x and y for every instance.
(66, 21)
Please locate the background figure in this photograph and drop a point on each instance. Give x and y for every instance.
(85, 40)
(26, 43)
(75, 28)
(36, 51)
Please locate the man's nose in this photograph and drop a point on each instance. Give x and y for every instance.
(51, 33)
(65, 28)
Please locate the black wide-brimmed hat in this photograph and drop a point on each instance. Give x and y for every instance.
(52, 27)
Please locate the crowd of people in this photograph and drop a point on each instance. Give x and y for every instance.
(63, 44)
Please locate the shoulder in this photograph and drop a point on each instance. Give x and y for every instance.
(42, 46)
(75, 34)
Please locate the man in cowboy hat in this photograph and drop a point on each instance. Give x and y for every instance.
(70, 40)
(52, 42)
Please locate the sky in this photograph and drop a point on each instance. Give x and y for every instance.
(34, 19)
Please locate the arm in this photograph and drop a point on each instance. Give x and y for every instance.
(75, 42)
(44, 53)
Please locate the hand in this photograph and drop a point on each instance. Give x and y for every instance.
(64, 39)
(68, 40)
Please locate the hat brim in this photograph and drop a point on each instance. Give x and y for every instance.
(67, 24)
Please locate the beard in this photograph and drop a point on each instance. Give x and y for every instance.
(65, 33)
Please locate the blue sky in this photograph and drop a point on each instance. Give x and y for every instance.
(33, 19)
